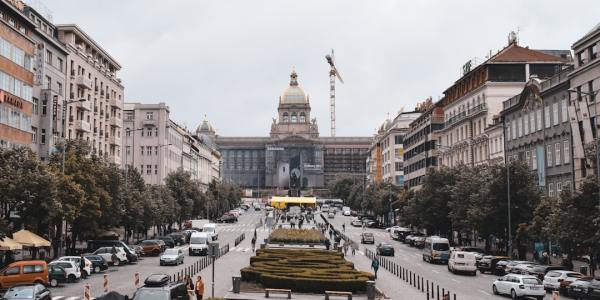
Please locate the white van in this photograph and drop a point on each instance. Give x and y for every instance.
(461, 261)
(198, 243)
(436, 249)
(211, 230)
(325, 208)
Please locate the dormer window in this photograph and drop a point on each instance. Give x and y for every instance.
(286, 117)
(302, 117)
(294, 117)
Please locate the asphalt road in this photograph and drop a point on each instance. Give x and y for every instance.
(121, 279)
(466, 287)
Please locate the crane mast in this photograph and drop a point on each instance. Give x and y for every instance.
(333, 73)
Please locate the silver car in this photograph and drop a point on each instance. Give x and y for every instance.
(171, 256)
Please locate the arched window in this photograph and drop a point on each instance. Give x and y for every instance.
(302, 117)
(285, 117)
(294, 118)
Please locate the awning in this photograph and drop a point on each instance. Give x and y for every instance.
(294, 200)
(30, 239)
(9, 244)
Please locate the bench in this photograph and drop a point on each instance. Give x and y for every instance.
(280, 291)
(338, 293)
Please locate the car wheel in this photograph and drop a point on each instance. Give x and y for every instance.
(96, 269)
(72, 278)
(513, 294)
(53, 282)
(494, 290)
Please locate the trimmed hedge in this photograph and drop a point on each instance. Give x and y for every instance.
(313, 271)
(297, 236)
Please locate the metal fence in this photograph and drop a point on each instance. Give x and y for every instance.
(197, 266)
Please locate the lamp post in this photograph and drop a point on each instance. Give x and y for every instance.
(128, 132)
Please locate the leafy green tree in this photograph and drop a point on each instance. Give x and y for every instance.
(341, 188)
(184, 190)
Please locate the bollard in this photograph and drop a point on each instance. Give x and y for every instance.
(443, 292)
(137, 280)
(105, 283)
(418, 282)
(370, 290)
(432, 290)
(454, 296)
(236, 284)
(87, 294)
(438, 292)
(428, 289)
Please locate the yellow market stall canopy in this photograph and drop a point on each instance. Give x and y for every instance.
(282, 202)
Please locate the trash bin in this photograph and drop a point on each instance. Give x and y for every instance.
(583, 270)
(236, 283)
(370, 290)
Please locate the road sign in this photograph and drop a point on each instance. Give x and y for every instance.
(213, 249)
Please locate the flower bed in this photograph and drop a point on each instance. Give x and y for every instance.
(297, 236)
(313, 271)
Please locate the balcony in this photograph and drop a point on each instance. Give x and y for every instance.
(116, 122)
(149, 123)
(85, 105)
(114, 140)
(81, 125)
(84, 82)
(477, 109)
(115, 103)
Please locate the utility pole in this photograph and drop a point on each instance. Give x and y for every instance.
(507, 164)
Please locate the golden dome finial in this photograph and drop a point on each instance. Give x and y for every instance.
(293, 77)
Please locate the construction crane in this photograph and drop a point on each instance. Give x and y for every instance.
(333, 73)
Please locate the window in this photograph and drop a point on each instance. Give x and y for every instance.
(129, 115)
(549, 155)
(285, 117)
(12, 271)
(547, 116)
(555, 113)
(557, 153)
(593, 51)
(43, 137)
(513, 126)
(149, 115)
(49, 82)
(527, 157)
(539, 119)
(148, 169)
(35, 105)
(59, 63)
(534, 159)
(302, 118)
(294, 118)
(156, 131)
(525, 125)
(127, 132)
(566, 152)
(148, 150)
(49, 57)
(155, 150)
(149, 133)
(565, 110)
(558, 188)
(128, 150)
(28, 269)
(34, 132)
(155, 169)
(520, 126)
(551, 189)
(141, 169)
(142, 150)
(398, 140)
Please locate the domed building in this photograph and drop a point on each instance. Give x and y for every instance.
(293, 159)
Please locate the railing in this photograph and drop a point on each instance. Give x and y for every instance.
(239, 239)
(198, 266)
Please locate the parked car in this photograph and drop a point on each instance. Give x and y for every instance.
(511, 264)
(119, 258)
(99, 264)
(356, 223)
(501, 267)
(385, 249)
(418, 242)
(375, 224)
(593, 291)
(331, 215)
(151, 247)
(179, 238)
(524, 269)
(579, 289)
(541, 270)
(158, 286)
(560, 280)
(518, 286)
(367, 238)
(92, 245)
(137, 249)
(56, 275)
(171, 257)
(168, 241)
(24, 272)
(488, 263)
(72, 269)
(227, 218)
(77, 260)
(461, 261)
(479, 253)
(31, 291)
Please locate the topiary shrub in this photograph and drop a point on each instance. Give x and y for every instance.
(296, 236)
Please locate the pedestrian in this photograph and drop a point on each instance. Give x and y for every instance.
(345, 248)
(253, 244)
(114, 257)
(364, 226)
(199, 288)
(327, 244)
(82, 267)
(344, 227)
(375, 265)
(353, 246)
(189, 283)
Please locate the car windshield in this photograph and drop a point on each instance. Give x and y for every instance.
(19, 293)
(171, 252)
(367, 234)
(208, 229)
(151, 294)
(531, 281)
(198, 240)
(440, 247)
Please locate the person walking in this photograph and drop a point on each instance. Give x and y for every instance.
(82, 267)
(375, 265)
(253, 244)
(189, 283)
(364, 226)
(353, 246)
(345, 248)
(199, 288)
(344, 227)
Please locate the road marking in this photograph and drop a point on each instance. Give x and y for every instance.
(434, 271)
(454, 280)
(484, 292)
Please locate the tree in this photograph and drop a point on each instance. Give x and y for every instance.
(342, 187)
(183, 189)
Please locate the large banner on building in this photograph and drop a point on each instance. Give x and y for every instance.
(541, 165)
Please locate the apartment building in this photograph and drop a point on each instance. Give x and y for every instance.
(17, 51)
(537, 128)
(49, 86)
(583, 95)
(95, 94)
(421, 144)
(472, 102)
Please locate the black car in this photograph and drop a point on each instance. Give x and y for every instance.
(501, 267)
(29, 291)
(56, 275)
(375, 224)
(168, 241)
(98, 263)
(488, 263)
(159, 287)
(179, 238)
(227, 218)
(385, 249)
(579, 289)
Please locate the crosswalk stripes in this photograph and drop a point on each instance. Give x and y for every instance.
(66, 298)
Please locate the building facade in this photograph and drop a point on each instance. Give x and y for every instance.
(421, 144)
(293, 156)
(537, 128)
(17, 51)
(49, 65)
(585, 84)
(472, 102)
(94, 93)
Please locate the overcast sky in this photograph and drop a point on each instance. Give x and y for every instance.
(230, 60)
